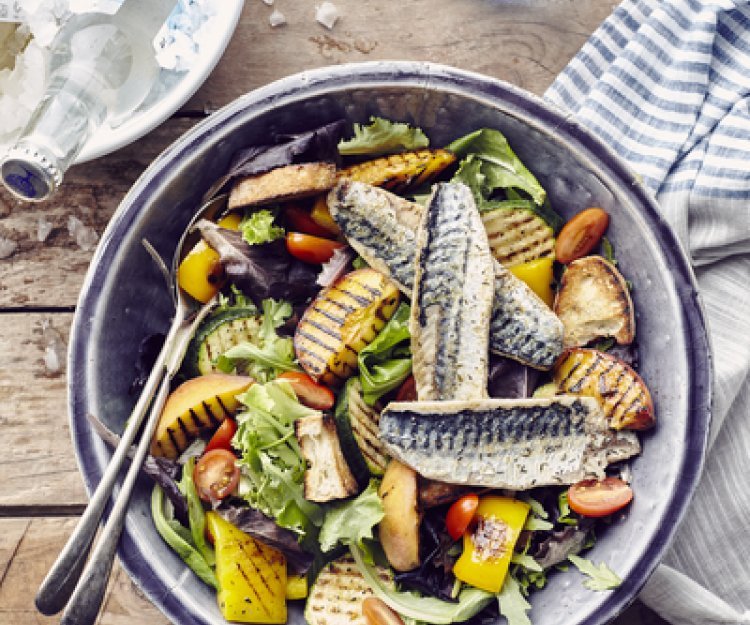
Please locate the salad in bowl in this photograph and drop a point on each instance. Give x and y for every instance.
(417, 394)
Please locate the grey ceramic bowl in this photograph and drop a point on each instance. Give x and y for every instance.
(124, 299)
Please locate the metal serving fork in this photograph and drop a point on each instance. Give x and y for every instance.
(68, 582)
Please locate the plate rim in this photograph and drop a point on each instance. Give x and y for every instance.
(106, 140)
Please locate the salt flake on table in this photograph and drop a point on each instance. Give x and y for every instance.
(8, 247)
(43, 229)
(277, 18)
(54, 348)
(327, 14)
(84, 236)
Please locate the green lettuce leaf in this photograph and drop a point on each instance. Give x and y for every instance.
(382, 136)
(491, 164)
(271, 465)
(351, 522)
(386, 362)
(272, 356)
(600, 577)
(512, 603)
(177, 537)
(258, 227)
(428, 609)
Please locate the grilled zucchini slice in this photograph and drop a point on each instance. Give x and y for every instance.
(398, 172)
(341, 321)
(364, 422)
(357, 425)
(337, 594)
(518, 235)
(621, 392)
(217, 334)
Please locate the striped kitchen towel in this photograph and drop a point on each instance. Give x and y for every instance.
(667, 84)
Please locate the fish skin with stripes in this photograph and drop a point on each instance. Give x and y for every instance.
(453, 433)
(381, 227)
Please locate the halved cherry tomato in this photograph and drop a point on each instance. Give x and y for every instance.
(461, 514)
(581, 234)
(308, 391)
(596, 498)
(408, 390)
(299, 219)
(311, 249)
(376, 612)
(222, 438)
(216, 475)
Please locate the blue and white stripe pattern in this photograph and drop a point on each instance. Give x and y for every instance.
(666, 83)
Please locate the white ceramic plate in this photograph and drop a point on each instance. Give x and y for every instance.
(146, 118)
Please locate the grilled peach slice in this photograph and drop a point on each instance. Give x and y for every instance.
(622, 393)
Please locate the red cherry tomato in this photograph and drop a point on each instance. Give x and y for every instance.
(408, 390)
(461, 514)
(308, 391)
(581, 234)
(222, 438)
(299, 219)
(596, 498)
(311, 249)
(216, 475)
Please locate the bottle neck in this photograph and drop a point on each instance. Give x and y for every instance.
(56, 133)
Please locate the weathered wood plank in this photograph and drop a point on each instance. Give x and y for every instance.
(37, 466)
(50, 273)
(28, 547)
(526, 42)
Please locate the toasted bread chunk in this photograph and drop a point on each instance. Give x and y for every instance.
(594, 302)
(283, 183)
(328, 475)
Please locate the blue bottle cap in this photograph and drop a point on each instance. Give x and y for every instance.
(29, 174)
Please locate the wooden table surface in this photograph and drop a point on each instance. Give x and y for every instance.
(526, 42)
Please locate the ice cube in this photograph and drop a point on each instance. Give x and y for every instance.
(54, 348)
(327, 14)
(8, 247)
(43, 229)
(277, 18)
(85, 237)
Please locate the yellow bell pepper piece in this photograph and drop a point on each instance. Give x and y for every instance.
(538, 275)
(296, 586)
(200, 274)
(488, 545)
(322, 216)
(252, 576)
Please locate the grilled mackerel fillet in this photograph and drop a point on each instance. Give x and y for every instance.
(452, 300)
(382, 227)
(505, 443)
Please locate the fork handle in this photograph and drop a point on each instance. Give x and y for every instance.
(87, 598)
(61, 579)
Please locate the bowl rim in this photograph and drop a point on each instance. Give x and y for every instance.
(513, 100)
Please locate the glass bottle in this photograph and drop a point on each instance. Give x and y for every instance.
(101, 67)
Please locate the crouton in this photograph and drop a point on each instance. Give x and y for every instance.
(594, 302)
(327, 476)
(283, 183)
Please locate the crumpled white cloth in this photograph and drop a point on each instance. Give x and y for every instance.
(667, 84)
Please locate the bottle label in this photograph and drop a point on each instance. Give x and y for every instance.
(10, 10)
